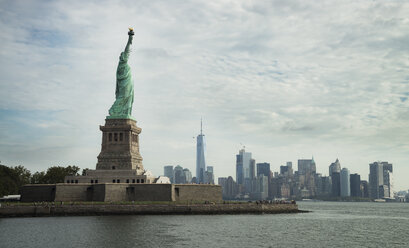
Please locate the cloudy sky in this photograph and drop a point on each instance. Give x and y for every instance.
(285, 79)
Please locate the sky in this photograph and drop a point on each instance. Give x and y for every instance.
(286, 79)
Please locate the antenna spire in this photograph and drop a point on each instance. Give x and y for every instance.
(201, 125)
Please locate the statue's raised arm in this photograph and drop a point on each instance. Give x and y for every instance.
(130, 37)
(124, 92)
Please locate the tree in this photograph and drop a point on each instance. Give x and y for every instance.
(56, 174)
(8, 181)
(12, 178)
(23, 174)
(37, 177)
(84, 171)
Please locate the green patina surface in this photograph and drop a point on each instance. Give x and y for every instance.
(124, 93)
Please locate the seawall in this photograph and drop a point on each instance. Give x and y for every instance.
(141, 209)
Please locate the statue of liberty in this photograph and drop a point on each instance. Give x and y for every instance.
(124, 93)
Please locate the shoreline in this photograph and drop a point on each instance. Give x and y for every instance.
(49, 209)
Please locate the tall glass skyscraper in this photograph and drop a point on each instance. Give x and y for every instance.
(243, 166)
(345, 183)
(168, 172)
(200, 157)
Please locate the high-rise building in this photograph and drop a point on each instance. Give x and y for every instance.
(252, 168)
(336, 184)
(287, 170)
(168, 172)
(345, 183)
(364, 189)
(388, 180)
(179, 175)
(243, 166)
(306, 166)
(306, 176)
(335, 167)
(188, 175)
(375, 179)
(229, 187)
(263, 169)
(260, 188)
(380, 180)
(200, 156)
(355, 181)
(209, 175)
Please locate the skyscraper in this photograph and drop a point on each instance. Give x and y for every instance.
(200, 157)
(168, 172)
(306, 166)
(263, 169)
(345, 183)
(355, 181)
(380, 180)
(335, 167)
(243, 166)
(364, 189)
(375, 179)
(188, 175)
(179, 175)
(336, 184)
(209, 175)
(388, 180)
(287, 170)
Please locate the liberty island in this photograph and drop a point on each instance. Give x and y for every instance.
(121, 177)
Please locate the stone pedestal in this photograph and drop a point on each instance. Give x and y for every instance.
(120, 146)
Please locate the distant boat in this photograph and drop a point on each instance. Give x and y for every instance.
(379, 200)
(311, 200)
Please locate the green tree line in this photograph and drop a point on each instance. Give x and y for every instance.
(12, 178)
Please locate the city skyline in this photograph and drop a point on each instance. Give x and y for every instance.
(286, 81)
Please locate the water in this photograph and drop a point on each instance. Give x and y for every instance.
(331, 224)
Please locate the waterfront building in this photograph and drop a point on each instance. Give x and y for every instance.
(388, 180)
(380, 175)
(375, 179)
(168, 172)
(364, 189)
(345, 183)
(323, 185)
(200, 156)
(355, 180)
(336, 184)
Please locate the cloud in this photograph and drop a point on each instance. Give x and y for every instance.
(286, 78)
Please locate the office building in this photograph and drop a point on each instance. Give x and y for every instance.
(345, 183)
(168, 172)
(200, 156)
(335, 167)
(380, 180)
(336, 184)
(355, 181)
(263, 169)
(243, 166)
